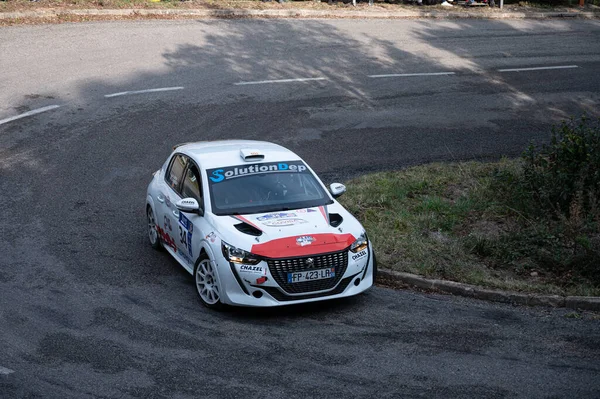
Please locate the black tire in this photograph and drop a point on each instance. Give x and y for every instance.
(374, 268)
(153, 236)
(207, 284)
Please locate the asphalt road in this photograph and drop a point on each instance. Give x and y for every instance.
(87, 309)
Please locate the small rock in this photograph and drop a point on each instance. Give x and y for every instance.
(534, 274)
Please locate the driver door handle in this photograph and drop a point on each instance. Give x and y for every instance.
(176, 214)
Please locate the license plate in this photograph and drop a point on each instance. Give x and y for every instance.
(310, 275)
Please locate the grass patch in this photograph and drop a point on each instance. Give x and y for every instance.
(472, 222)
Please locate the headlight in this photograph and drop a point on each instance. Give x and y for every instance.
(237, 255)
(361, 243)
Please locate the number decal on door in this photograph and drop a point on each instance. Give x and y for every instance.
(183, 236)
(186, 229)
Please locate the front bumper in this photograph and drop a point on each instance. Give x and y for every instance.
(258, 286)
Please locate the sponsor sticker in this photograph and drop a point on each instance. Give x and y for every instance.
(359, 255)
(304, 240)
(261, 280)
(167, 223)
(184, 256)
(283, 222)
(253, 269)
(186, 229)
(232, 172)
(307, 210)
(278, 215)
(167, 239)
(212, 237)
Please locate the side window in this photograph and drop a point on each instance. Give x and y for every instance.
(191, 184)
(175, 171)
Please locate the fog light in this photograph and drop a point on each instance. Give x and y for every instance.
(257, 294)
(357, 282)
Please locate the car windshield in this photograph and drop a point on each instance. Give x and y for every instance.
(264, 187)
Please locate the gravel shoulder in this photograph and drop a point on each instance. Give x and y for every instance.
(58, 11)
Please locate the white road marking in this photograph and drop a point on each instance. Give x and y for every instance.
(538, 68)
(5, 371)
(402, 75)
(126, 93)
(29, 113)
(260, 82)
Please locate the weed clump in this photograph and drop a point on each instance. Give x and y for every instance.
(564, 181)
(564, 176)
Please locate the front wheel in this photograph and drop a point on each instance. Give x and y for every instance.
(207, 284)
(374, 268)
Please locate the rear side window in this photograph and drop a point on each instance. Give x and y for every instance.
(175, 172)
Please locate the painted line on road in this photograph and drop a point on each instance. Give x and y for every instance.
(5, 371)
(403, 75)
(126, 93)
(29, 113)
(260, 82)
(538, 68)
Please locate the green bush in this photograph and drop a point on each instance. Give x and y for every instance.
(564, 176)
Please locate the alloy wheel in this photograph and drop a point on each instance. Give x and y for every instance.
(206, 282)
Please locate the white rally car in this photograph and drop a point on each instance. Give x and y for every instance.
(255, 226)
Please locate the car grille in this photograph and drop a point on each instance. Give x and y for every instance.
(281, 297)
(279, 269)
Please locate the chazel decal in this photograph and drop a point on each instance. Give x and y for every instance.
(304, 240)
(359, 255)
(283, 222)
(253, 269)
(278, 215)
(221, 174)
(186, 229)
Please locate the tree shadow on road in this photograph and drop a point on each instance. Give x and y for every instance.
(86, 173)
(76, 179)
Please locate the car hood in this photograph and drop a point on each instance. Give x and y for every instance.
(291, 233)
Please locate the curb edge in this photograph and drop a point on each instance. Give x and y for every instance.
(476, 292)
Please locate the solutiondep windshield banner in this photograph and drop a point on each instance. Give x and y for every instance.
(221, 174)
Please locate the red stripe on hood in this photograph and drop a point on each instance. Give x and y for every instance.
(290, 246)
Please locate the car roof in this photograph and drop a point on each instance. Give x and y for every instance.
(214, 154)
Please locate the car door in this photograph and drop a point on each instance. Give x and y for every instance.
(189, 227)
(168, 195)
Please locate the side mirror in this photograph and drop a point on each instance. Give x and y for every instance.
(337, 189)
(189, 205)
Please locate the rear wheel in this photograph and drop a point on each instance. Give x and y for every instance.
(152, 231)
(207, 284)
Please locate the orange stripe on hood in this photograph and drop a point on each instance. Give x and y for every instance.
(292, 246)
